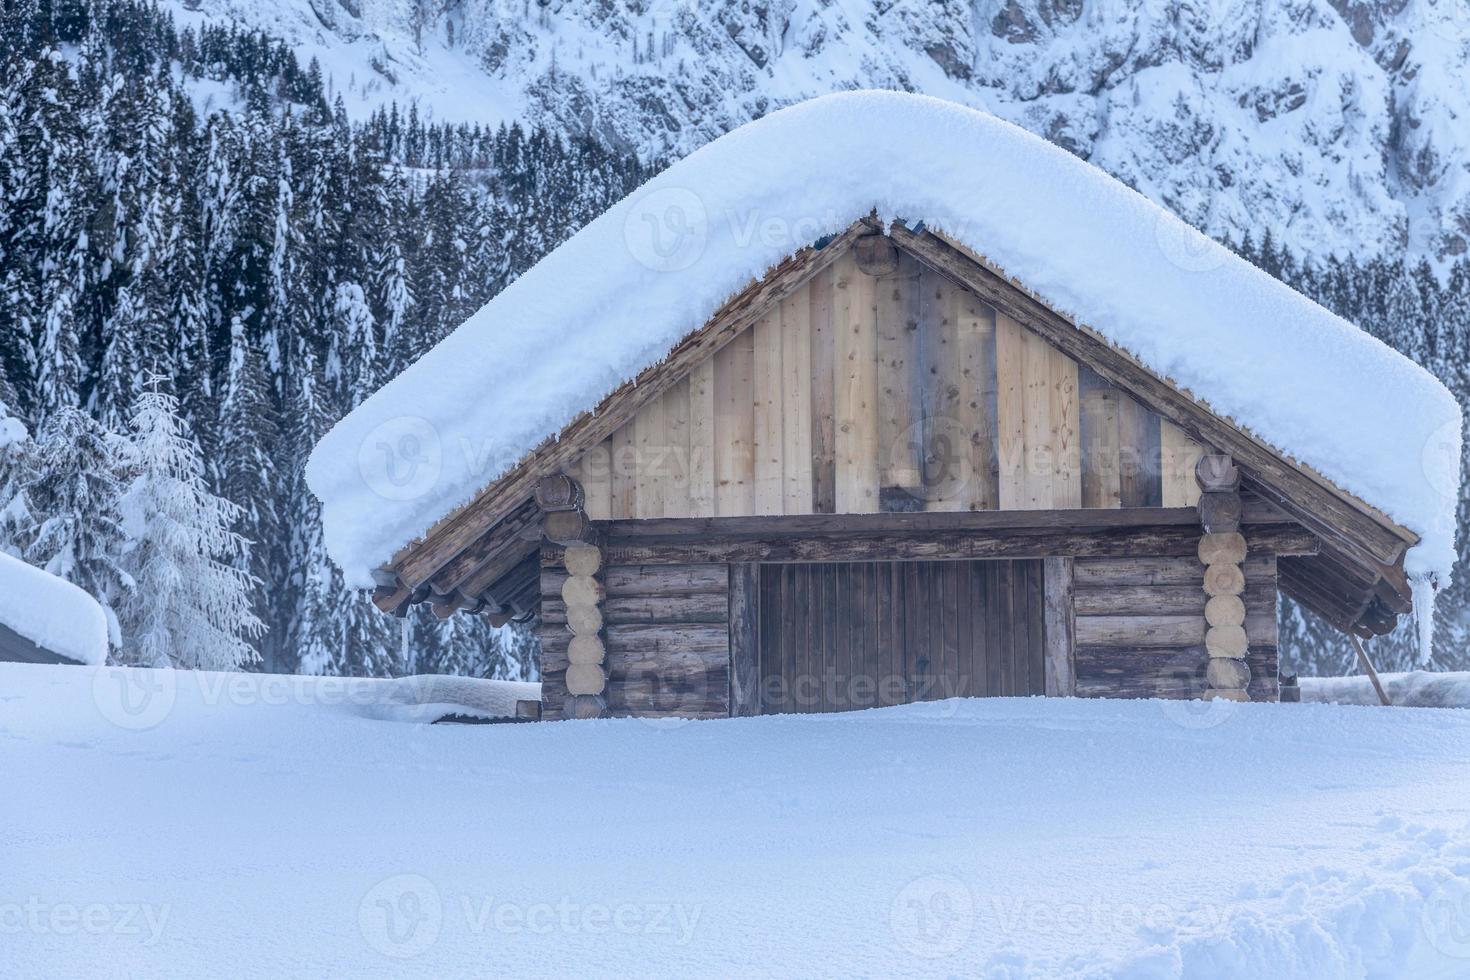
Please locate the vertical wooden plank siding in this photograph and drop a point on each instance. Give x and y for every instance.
(1038, 429)
(900, 378)
(824, 393)
(1010, 414)
(976, 399)
(744, 639)
(1061, 673)
(1138, 454)
(624, 471)
(1066, 427)
(796, 412)
(595, 472)
(858, 394)
(769, 407)
(701, 439)
(949, 417)
(1178, 454)
(854, 319)
(1101, 460)
(735, 428)
(652, 444)
(675, 471)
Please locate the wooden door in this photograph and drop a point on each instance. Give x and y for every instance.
(850, 635)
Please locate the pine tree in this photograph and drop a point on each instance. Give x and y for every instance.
(80, 467)
(189, 604)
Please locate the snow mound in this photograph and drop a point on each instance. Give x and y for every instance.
(431, 697)
(51, 612)
(618, 295)
(1413, 689)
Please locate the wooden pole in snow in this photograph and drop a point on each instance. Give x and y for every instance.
(1367, 667)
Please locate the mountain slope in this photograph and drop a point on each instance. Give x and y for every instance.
(1340, 125)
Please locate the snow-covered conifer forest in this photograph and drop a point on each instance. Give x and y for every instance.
(204, 262)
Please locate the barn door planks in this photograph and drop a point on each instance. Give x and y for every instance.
(850, 635)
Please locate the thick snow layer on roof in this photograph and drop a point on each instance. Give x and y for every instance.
(51, 612)
(617, 296)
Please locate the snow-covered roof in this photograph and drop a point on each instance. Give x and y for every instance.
(51, 612)
(616, 298)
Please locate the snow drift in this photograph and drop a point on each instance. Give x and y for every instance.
(617, 296)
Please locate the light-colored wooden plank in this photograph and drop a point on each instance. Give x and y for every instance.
(1039, 467)
(769, 406)
(796, 412)
(595, 472)
(1178, 455)
(735, 428)
(702, 439)
(676, 462)
(624, 472)
(652, 442)
(824, 395)
(976, 402)
(1010, 412)
(1066, 428)
(855, 323)
(900, 382)
(1101, 462)
(948, 410)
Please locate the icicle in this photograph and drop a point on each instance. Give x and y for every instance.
(1423, 590)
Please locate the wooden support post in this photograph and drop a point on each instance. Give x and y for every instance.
(1222, 551)
(567, 524)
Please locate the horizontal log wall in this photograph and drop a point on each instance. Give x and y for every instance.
(666, 631)
(861, 394)
(1140, 627)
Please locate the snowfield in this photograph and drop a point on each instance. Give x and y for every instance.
(208, 825)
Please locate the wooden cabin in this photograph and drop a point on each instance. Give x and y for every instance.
(44, 619)
(885, 473)
(889, 470)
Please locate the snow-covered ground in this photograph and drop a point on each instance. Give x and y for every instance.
(1411, 689)
(228, 826)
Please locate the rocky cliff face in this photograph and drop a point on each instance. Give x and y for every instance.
(1339, 125)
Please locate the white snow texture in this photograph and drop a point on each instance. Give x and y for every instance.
(51, 612)
(252, 830)
(618, 295)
